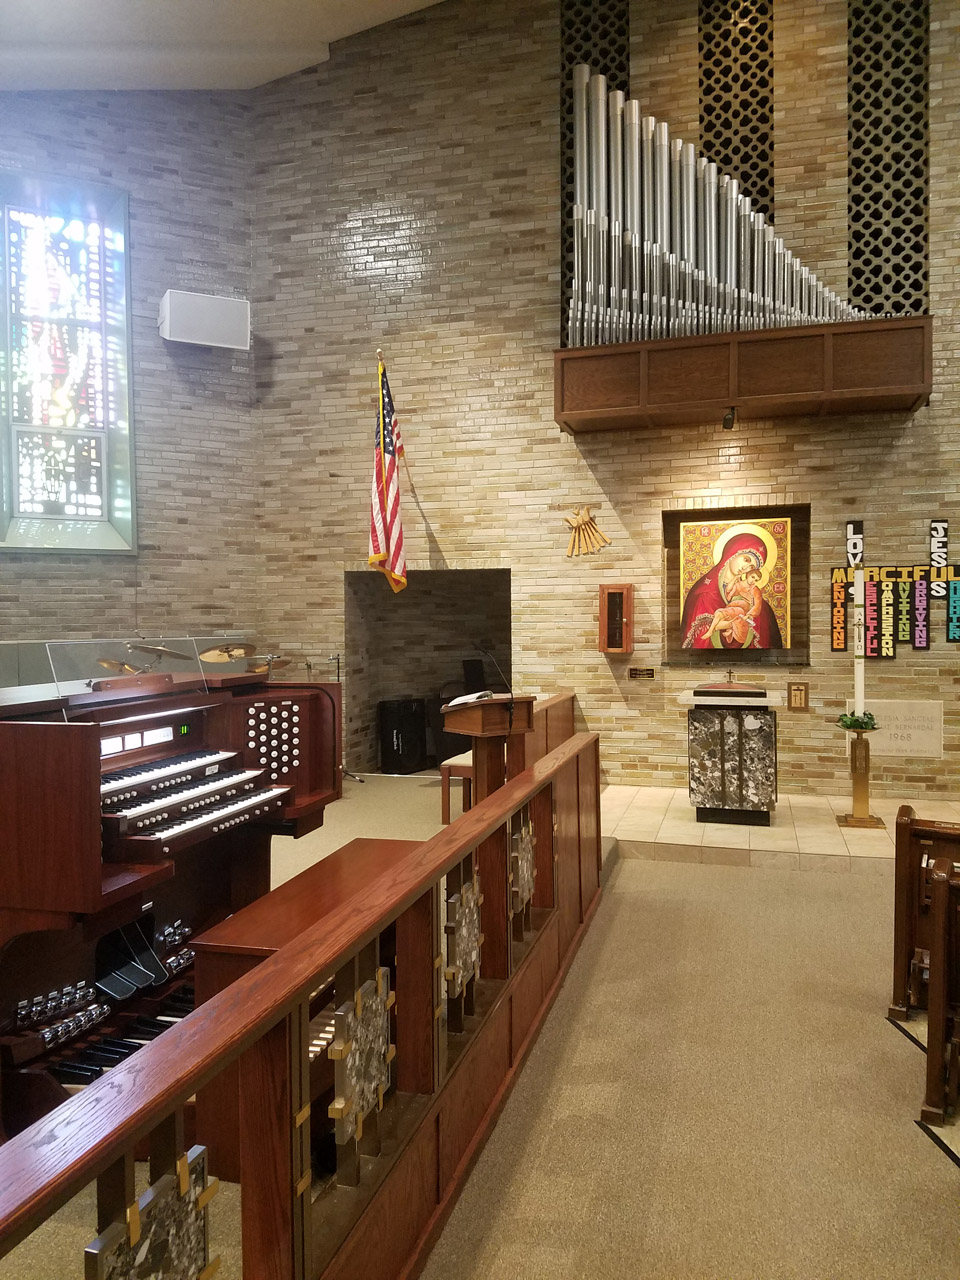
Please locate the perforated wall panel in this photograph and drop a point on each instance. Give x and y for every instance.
(888, 137)
(736, 93)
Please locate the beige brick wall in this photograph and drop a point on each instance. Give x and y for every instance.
(810, 133)
(418, 211)
(665, 64)
(407, 197)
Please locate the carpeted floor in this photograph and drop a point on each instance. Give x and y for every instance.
(716, 1096)
(381, 806)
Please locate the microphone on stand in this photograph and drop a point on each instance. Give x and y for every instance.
(487, 654)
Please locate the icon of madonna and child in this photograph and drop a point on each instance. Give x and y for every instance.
(735, 585)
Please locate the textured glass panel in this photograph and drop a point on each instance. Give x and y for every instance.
(54, 267)
(59, 474)
(57, 375)
(114, 276)
(116, 384)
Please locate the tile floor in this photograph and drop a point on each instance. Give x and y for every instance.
(660, 823)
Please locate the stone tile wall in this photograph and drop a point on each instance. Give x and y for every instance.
(182, 158)
(408, 198)
(413, 644)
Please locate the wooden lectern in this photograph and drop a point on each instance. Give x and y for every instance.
(490, 722)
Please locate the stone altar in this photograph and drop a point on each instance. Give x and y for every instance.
(732, 752)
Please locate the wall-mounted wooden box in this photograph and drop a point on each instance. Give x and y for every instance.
(616, 618)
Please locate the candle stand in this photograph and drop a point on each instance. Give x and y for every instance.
(860, 776)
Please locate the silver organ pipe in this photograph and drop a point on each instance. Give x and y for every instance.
(615, 135)
(676, 235)
(647, 124)
(581, 150)
(664, 244)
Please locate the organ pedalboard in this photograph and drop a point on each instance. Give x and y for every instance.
(74, 1034)
(124, 813)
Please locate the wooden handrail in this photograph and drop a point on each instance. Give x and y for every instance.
(41, 1168)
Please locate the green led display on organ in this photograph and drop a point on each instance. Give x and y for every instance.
(184, 729)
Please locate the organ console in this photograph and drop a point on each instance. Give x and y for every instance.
(135, 811)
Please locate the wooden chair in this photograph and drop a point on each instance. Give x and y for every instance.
(456, 767)
(919, 842)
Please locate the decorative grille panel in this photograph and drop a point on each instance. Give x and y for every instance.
(887, 90)
(736, 93)
(597, 33)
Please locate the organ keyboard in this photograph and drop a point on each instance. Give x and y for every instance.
(148, 779)
(132, 814)
(177, 834)
(183, 799)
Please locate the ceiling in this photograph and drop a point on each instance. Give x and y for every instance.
(175, 44)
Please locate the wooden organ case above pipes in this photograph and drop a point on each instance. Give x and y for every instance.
(685, 303)
(132, 816)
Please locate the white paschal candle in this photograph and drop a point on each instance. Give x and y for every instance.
(858, 642)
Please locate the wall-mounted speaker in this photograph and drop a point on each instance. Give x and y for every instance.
(205, 319)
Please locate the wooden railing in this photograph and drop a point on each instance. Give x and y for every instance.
(258, 1028)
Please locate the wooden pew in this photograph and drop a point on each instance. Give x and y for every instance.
(918, 842)
(943, 994)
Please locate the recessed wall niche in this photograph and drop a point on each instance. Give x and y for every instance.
(414, 644)
(793, 651)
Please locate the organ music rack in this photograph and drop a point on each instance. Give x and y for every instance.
(134, 812)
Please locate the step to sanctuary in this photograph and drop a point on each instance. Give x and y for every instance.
(659, 823)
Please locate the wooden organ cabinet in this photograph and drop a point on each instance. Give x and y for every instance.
(133, 815)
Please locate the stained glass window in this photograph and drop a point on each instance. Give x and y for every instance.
(67, 456)
(60, 474)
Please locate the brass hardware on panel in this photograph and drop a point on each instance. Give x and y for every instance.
(133, 1223)
(207, 1194)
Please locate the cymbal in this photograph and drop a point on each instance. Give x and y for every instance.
(119, 668)
(228, 652)
(159, 649)
(263, 666)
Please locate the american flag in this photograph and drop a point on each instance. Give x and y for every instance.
(386, 527)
